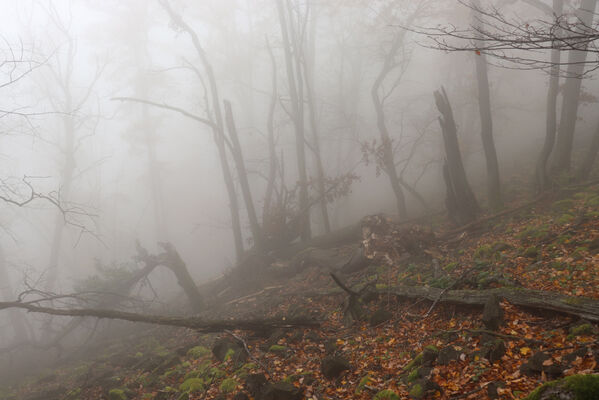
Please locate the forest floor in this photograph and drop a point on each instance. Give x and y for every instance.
(399, 348)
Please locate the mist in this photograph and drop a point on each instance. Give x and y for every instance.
(209, 141)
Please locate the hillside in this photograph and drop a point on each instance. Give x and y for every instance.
(492, 310)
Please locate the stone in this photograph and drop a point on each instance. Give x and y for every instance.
(254, 383)
(224, 346)
(447, 355)
(380, 316)
(492, 313)
(333, 366)
(281, 391)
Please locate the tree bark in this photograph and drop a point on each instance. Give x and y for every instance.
(590, 156)
(243, 178)
(195, 323)
(486, 122)
(581, 307)
(173, 261)
(567, 124)
(297, 111)
(218, 128)
(461, 198)
(541, 174)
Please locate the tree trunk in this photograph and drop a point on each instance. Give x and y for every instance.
(243, 178)
(388, 157)
(589, 158)
(567, 124)
(6, 293)
(462, 204)
(177, 265)
(272, 153)
(297, 110)
(486, 122)
(217, 129)
(541, 174)
(309, 65)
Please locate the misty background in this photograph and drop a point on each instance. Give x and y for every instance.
(129, 172)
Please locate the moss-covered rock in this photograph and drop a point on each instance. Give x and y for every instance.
(386, 395)
(580, 330)
(192, 385)
(530, 252)
(416, 391)
(278, 350)
(117, 394)
(228, 385)
(198, 352)
(575, 387)
(364, 381)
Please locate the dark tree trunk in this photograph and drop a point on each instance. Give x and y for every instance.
(173, 260)
(567, 123)
(486, 122)
(589, 158)
(243, 178)
(460, 196)
(541, 174)
(296, 93)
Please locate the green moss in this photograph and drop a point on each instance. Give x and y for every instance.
(531, 252)
(413, 375)
(197, 352)
(534, 232)
(562, 205)
(228, 385)
(417, 391)
(592, 201)
(366, 380)
(386, 395)
(229, 354)
(583, 387)
(451, 266)
(117, 394)
(192, 385)
(217, 373)
(381, 286)
(414, 363)
(578, 254)
(583, 329)
(565, 219)
(277, 349)
(484, 251)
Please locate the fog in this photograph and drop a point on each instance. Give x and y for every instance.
(108, 170)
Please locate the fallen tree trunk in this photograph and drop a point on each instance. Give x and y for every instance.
(198, 324)
(581, 307)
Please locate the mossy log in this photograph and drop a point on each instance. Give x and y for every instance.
(581, 307)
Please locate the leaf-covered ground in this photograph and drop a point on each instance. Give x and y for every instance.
(552, 245)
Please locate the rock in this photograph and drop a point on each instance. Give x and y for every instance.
(281, 391)
(496, 351)
(575, 387)
(422, 388)
(429, 355)
(492, 391)
(333, 366)
(534, 365)
(356, 263)
(380, 316)
(330, 346)
(241, 396)
(313, 337)
(582, 352)
(554, 371)
(254, 383)
(492, 313)
(447, 354)
(224, 346)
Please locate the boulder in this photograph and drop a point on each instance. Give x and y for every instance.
(492, 313)
(281, 391)
(254, 383)
(333, 366)
(380, 316)
(447, 354)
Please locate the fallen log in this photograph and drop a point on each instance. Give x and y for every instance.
(581, 307)
(196, 323)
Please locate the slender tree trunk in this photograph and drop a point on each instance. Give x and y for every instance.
(218, 127)
(590, 156)
(486, 124)
(567, 123)
(541, 174)
(16, 318)
(177, 265)
(297, 105)
(388, 157)
(309, 62)
(272, 153)
(243, 178)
